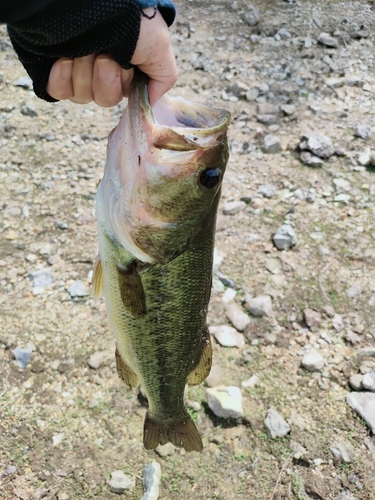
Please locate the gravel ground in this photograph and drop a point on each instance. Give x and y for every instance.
(299, 80)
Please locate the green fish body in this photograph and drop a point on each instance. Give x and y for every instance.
(156, 212)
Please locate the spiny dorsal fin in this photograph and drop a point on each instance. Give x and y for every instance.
(131, 290)
(97, 279)
(201, 371)
(125, 373)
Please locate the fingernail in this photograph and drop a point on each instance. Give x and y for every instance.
(107, 70)
(66, 70)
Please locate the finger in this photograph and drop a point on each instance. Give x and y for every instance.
(82, 79)
(126, 79)
(60, 84)
(106, 82)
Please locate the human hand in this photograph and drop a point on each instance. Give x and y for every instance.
(101, 79)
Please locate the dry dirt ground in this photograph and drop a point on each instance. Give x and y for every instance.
(64, 426)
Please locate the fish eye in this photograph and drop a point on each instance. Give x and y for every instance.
(210, 178)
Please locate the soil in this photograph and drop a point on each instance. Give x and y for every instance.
(65, 426)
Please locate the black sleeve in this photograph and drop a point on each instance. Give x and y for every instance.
(74, 28)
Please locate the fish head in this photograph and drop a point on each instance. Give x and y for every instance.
(170, 162)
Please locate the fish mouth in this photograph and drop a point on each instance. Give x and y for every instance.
(177, 124)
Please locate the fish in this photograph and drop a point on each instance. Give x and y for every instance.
(156, 210)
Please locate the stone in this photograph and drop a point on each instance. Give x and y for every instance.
(233, 207)
(60, 224)
(236, 316)
(271, 144)
(254, 39)
(57, 439)
(22, 356)
(355, 381)
(151, 481)
(275, 424)
(284, 34)
(267, 190)
(23, 81)
(354, 291)
(364, 404)
(227, 336)
(96, 359)
(41, 278)
(225, 402)
(341, 184)
(329, 311)
(338, 322)
(311, 195)
(313, 319)
(251, 382)
(164, 450)
(215, 377)
(28, 110)
(345, 495)
(251, 16)
(260, 306)
(342, 451)
(78, 289)
(267, 119)
(228, 295)
(120, 482)
(320, 145)
(327, 40)
(266, 108)
(285, 237)
(288, 109)
(46, 250)
(312, 361)
(363, 131)
(368, 381)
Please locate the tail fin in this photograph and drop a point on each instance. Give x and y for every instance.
(182, 433)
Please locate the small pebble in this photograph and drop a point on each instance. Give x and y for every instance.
(275, 424)
(225, 402)
(96, 360)
(121, 482)
(313, 361)
(151, 481)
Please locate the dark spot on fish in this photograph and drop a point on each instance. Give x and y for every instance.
(139, 161)
(210, 178)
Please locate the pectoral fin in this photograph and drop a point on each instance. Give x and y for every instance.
(201, 371)
(97, 279)
(125, 373)
(131, 290)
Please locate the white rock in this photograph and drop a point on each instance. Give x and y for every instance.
(364, 404)
(225, 402)
(363, 131)
(355, 381)
(275, 424)
(285, 237)
(96, 359)
(368, 381)
(328, 40)
(236, 316)
(78, 289)
(313, 361)
(227, 336)
(233, 207)
(251, 382)
(120, 482)
(260, 306)
(57, 439)
(271, 144)
(151, 481)
(228, 295)
(343, 451)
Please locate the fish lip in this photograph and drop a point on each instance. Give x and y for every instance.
(190, 138)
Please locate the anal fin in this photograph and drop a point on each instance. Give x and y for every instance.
(182, 433)
(202, 369)
(97, 279)
(131, 290)
(125, 373)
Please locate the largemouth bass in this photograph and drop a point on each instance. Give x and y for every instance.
(156, 212)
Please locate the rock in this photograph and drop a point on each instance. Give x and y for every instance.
(96, 359)
(364, 404)
(275, 424)
(251, 382)
(23, 81)
(46, 250)
(329, 311)
(254, 39)
(338, 322)
(284, 34)
(151, 481)
(271, 144)
(267, 190)
(365, 159)
(354, 291)
(311, 195)
(60, 224)
(313, 319)
(215, 377)
(341, 184)
(343, 198)
(41, 278)
(228, 295)
(121, 482)
(78, 289)
(288, 109)
(310, 160)
(368, 381)
(29, 111)
(225, 402)
(353, 338)
(260, 306)
(266, 108)
(312, 361)
(251, 16)
(342, 451)
(320, 145)
(267, 120)
(233, 207)
(363, 131)
(31, 257)
(355, 381)
(22, 356)
(165, 450)
(285, 237)
(227, 336)
(57, 439)
(236, 316)
(327, 40)
(345, 495)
